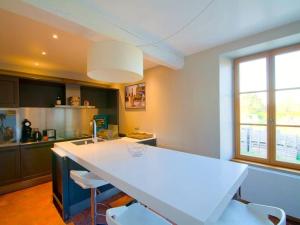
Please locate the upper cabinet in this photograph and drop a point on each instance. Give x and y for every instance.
(107, 100)
(36, 93)
(9, 91)
(23, 92)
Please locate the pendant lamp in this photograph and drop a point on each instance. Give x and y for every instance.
(114, 61)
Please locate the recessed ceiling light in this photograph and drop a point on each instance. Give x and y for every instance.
(44, 53)
(36, 64)
(55, 36)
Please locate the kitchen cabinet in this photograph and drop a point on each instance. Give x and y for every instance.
(107, 100)
(35, 160)
(9, 91)
(9, 164)
(36, 93)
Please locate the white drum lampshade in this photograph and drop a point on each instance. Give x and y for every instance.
(113, 61)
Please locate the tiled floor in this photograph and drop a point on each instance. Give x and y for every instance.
(33, 206)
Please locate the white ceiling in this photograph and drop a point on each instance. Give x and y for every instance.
(142, 22)
(221, 22)
(22, 41)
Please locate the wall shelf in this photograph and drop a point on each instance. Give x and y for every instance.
(75, 107)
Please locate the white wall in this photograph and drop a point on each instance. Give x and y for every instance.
(226, 95)
(186, 107)
(175, 108)
(273, 188)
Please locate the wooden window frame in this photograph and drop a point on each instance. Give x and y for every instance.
(271, 111)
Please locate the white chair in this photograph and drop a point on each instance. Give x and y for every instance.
(88, 180)
(135, 214)
(238, 213)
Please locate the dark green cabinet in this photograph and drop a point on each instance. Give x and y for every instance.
(9, 91)
(35, 160)
(9, 164)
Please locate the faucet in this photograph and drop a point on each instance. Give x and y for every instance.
(94, 136)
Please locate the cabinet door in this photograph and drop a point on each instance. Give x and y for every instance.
(9, 164)
(9, 91)
(35, 160)
(76, 193)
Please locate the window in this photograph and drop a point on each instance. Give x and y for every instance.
(267, 107)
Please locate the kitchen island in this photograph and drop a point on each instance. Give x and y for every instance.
(185, 188)
(68, 197)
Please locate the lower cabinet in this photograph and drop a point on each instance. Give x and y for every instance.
(35, 160)
(69, 198)
(9, 165)
(24, 166)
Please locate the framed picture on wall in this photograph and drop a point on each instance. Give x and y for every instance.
(135, 96)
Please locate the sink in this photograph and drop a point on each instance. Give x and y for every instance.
(86, 141)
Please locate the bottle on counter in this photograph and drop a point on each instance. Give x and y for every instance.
(58, 100)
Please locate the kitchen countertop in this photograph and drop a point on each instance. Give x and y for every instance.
(50, 140)
(61, 139)
(62, 153)
(185, 188)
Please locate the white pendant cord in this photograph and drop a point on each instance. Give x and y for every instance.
(154, 43)
(181, 29)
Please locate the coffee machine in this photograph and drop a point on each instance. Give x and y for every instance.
(26, 130)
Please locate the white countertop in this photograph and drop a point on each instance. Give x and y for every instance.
(185, 188)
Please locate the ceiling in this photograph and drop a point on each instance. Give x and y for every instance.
(217, 22)
(23, 40)
(164, 30)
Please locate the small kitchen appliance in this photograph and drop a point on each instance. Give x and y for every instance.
(26, 130)
(50, 133)
(36, 135)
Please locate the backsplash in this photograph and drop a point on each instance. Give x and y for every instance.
(68, 122)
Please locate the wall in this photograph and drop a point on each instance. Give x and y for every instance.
(174, 109)
(226, 96)
(190, 109)
(269, 187)
(67, 122)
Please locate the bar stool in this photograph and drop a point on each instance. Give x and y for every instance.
(135, 214)
(238, 213)
(88, 180)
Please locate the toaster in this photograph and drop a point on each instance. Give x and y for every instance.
(50, 133)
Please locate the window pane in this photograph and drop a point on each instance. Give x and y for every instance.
(253, 108)
(253, 141)
(252, 75)
(287, 70)
(288, 144)
(288, 107)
